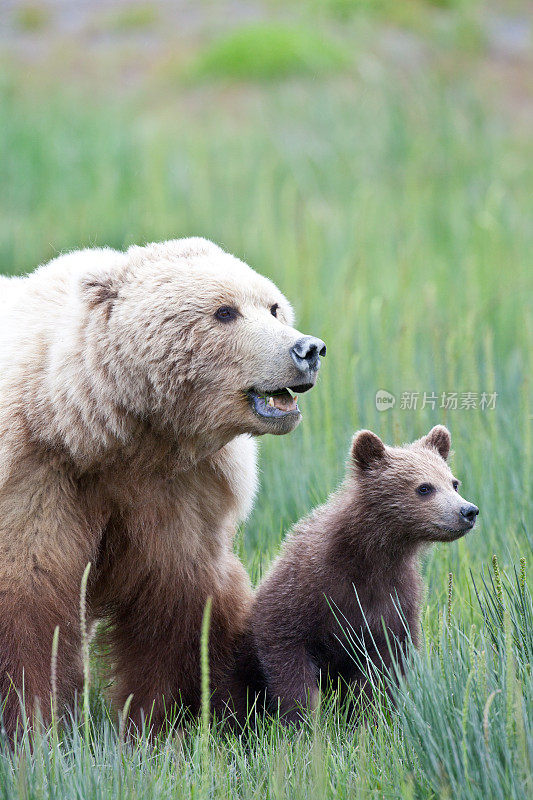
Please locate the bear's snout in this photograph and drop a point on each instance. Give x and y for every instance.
(469, 512)
(306, 353)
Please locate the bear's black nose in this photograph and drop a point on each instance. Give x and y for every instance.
(306, 353)
(470, 512)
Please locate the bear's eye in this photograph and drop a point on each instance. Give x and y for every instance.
(274, 309)
(226, 314)
(455, 485)
(424, 489)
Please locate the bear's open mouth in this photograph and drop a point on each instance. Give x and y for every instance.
(276, 403)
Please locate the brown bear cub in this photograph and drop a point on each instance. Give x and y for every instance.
(367, 537)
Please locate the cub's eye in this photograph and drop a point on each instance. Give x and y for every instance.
(424, 489)
(455, 485)
(226, 314)
(274, 309)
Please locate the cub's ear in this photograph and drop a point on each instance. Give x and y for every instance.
(439, 439)
(367, 449)
(99, 287)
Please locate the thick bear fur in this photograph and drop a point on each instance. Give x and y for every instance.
(367, 537)
(125, 441)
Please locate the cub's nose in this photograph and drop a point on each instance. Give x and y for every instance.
(470, 512)
(306, 353)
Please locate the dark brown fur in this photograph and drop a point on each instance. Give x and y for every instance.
(150, 595)
(367, 538)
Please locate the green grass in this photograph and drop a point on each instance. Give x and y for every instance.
(461, 727)
(273, 51)
(395, 214)
(32, 17)
(126, 19)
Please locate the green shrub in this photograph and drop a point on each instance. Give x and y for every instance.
(132, 17)
(32, 17)
(270, 51)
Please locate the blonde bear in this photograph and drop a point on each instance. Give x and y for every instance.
(131, 387)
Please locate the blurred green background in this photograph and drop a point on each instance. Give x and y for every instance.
(373, 157)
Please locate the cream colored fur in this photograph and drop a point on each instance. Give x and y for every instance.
(125, 440)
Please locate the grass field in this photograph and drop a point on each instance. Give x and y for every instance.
(394, 209)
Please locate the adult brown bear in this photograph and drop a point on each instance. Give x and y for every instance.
(130, 387)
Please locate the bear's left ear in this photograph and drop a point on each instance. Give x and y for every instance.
(439, 439)
(367, 449)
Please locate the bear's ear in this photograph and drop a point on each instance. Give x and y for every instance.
(438, 439)
(99, 288)
(367, 449)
